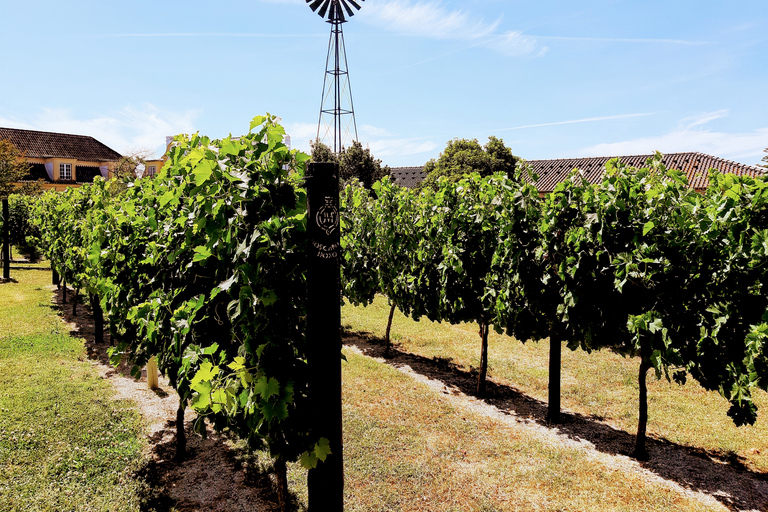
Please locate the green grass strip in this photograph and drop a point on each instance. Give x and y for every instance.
(65, 443)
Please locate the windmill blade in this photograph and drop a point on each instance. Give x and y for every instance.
(348, 8)
(354, 4)
(314, 4)
(324, 8)
(334, 8)
(337, 12)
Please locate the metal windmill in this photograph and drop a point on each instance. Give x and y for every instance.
(337, 113)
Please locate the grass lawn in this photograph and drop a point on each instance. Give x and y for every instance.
(408, 448)
(601, 384)
(65, 444)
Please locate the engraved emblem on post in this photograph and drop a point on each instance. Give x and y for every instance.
(327, 216)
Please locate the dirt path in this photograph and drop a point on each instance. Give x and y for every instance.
(211, 478)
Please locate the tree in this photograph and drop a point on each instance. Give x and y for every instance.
(464, 156)
(128, 166)
(765, 158)
(322, 153)
(354, 162)
(13, 168)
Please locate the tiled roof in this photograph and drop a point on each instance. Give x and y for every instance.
(695, 166)
(407, 177)
(37, 144)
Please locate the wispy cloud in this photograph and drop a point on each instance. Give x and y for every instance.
(399, 147)
(690, 136)
(702, 119)
(622, 40)
(374, 131)
(301, 134)
(208, 34)
(576, 121)
(430, 19)
(128, 129)
(427, 19)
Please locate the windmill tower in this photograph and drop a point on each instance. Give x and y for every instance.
(337, 114)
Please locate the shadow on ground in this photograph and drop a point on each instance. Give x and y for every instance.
(726, 478)
(214, 476)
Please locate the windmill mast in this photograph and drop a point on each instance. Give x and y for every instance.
(337, 123)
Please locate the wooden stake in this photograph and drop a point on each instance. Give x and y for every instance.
(6, 241)
(152, 373)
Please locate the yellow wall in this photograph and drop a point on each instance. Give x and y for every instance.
(158, 164)
(74, 163)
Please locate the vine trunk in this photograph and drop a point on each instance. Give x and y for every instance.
(555, 357)
(641, 453)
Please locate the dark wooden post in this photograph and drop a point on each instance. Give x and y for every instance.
(326, 481)
(555, 356)
(6, 240)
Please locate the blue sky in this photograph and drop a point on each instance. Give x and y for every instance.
(553, 79)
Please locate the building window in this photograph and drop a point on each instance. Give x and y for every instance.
(150, 170)
(65, 172)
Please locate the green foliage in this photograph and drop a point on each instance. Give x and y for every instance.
(321, 152)
(203, 267)
(64, 231)
(638, 263)
(361, 258)
(13, 167)
(730, 350)
(22, 231)
(355, 162)
(465, 156)
(432, 253)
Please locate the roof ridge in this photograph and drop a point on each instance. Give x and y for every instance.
(50, 133)
(732, 162)
(42, 144)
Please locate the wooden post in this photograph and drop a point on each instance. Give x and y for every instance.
(152, 373)
(6, 240)
(326, 481)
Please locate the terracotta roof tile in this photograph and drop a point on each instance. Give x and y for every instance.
(407, 177)
(36, 144)
(694, 165)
